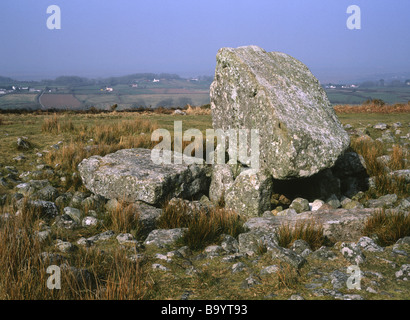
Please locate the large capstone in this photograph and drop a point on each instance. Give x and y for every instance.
(131, 175)
(299, 132)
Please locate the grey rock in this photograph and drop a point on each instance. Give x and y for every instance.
(327, 292)
(63, 200)
(23, 144)
(299, 246)
(380, 126)
(89, 221)
(352, 205)
(316, 205)
(300, 205)
(74, 214)
(77, 199)
(404, 241)
(48, 193)
(214, 251)
(384, 201)
(104, 236)
(387, 137)
(368, 244)
(45, 209)
(230, 244)
(185, 251)
(250, 193)
(404, 205)
(338, 224)
(250, 282)
(323, 253)
(287, 212)
(296, 297)
(253, 86)
(222, 178)
(403, 273)
(269, 270)
(232, 257)
(288, 256)
(126, 238)
(65, 222)
(352, 297)
(147, 217)
(43, 235)
(163, 237)
(157, 266)
(131, 175)
(238, 267)
(85, 242)
(352, 253)
(256, 242)
(65, 246)
(32, 187)
(338, 279)
(401, 174)
(333, 201)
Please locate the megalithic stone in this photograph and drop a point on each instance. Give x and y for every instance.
(300, 133)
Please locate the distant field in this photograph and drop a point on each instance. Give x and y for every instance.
(389, 95)
(172, 93)
(50, 101)
(18, 101)
(104, 100)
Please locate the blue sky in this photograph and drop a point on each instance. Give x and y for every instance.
(102, 38)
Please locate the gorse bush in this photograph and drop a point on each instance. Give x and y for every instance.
(387, 226)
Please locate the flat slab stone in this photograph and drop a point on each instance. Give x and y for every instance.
(131, 175)
(338, 224)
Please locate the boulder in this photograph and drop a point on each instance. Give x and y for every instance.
(250, 193)
(222, 178)
(131, 175)
(254, 87)
(338, 224)
(300, 205)
(163, 237)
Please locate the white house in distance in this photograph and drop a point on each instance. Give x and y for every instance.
(155, 80)
(109, 89)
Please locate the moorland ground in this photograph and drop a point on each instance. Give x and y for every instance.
(57, 142)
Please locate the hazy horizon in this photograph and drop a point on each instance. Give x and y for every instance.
(102, 39)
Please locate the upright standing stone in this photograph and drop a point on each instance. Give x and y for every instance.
(300, 134)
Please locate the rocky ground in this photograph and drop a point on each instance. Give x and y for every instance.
(249, 266)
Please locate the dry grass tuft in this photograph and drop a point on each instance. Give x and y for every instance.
(85, 275)
(384, 182)
(309, 230)
(124, 218)
(56, 125)
(388, 227)
(374, 106)
(105, 138)
(287, 277)
(198, 110)
(204, 227)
